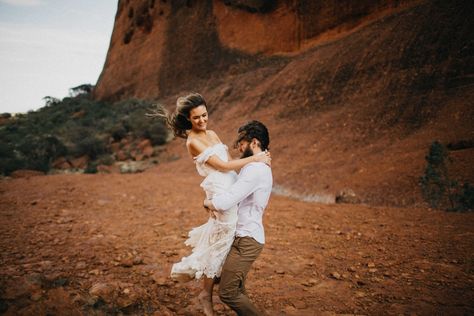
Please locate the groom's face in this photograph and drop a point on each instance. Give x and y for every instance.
(244, 149)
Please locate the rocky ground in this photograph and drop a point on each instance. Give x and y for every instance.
(104, 244)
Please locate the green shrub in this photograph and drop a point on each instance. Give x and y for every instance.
(118, 132)
(91, 167)
(434, 181)
(74, 126)
(466, 198)
(438, 189)
(92, 146)
(107, 160)
(157, 133)
(37, 152)
(8, 160)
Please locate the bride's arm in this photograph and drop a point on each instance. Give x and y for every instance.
(217, 163)
(195, 148)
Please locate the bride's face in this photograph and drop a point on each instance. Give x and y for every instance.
(198, 118)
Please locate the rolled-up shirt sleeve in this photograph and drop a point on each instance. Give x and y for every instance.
(246, 183)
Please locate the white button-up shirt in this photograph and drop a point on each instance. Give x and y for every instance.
(251, 192)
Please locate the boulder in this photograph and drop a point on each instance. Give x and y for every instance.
(143, 144)
(80, 163)
(347, 196)
(148, 151)
(61, 163)
(103, 291)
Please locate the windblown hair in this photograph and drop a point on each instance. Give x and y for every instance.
(254, 129)
(178, 121)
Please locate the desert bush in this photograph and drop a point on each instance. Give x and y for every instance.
(106, 159)
(118, 132)
(438, 189)
(83, 89)
(466, 198)
(91, 167)
(91, 146)
(74, 126)
(8, 160)
(434, 181)
(38, 152)
(157, 134)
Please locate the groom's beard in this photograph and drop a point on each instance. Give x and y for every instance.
(247, 152)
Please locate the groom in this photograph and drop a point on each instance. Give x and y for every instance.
(251, 192)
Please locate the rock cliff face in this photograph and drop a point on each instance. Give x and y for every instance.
(353, 92)
(158, 47)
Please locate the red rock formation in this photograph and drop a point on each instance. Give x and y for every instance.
(353, 99)
(158, 47)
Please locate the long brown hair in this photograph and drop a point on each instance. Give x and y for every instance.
(178, 121)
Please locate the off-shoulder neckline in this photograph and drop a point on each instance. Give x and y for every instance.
(209, 148)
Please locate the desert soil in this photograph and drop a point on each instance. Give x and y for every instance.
(101, 244)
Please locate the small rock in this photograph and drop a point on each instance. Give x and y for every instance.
(347, 196)
(310, 282)
(137, 260)
(170, 253)
(103, 290)
(351, 269)
(359, 294)
(81, 265)
(46, 265)
(299, 304)
(290, 310)
(36, 296)
(336, 275)
(371, 265)
(279, 271)
(126, 262)
(159, 279)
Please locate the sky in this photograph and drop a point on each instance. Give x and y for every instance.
(49, 46)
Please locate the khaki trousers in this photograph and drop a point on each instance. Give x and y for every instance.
(242, 254)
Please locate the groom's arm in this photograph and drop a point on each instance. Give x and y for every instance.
(246, 184)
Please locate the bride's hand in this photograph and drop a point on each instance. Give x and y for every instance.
(264, 157)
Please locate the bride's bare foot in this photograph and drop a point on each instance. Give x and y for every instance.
(206, 302)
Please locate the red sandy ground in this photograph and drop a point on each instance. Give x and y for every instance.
(104, 244)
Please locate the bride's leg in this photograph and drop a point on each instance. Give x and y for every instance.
(205, 297)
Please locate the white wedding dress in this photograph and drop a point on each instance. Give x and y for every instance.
(212, 241)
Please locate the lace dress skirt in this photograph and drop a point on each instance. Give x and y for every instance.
(211, 241)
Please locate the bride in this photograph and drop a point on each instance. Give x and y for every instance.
(212, 241)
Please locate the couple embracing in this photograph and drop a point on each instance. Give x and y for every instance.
(225, 247)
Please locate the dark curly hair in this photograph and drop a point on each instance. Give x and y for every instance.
(254, 129)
